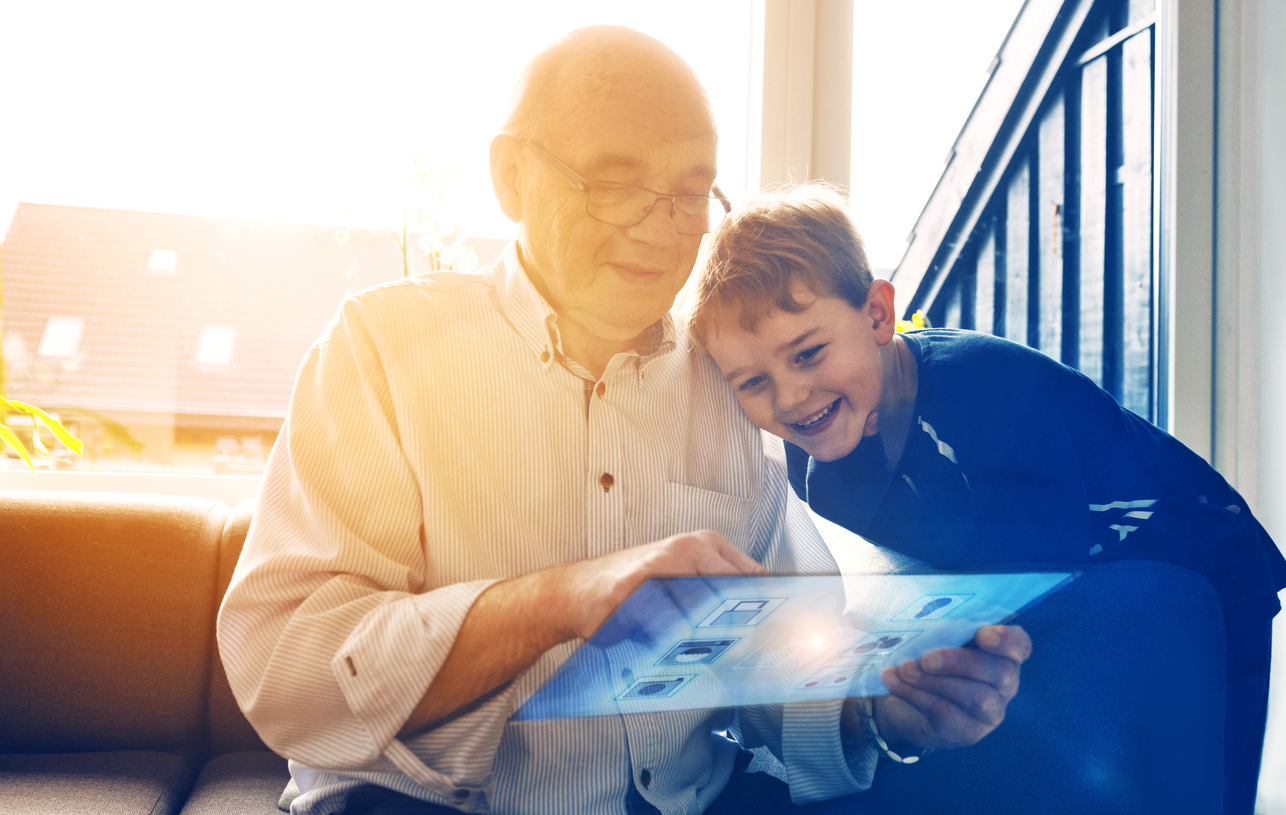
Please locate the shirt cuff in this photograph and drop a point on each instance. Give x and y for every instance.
(386, 664)
(818, 765)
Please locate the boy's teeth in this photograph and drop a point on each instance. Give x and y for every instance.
(818, 418)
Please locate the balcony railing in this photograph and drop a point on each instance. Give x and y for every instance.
(1059, 255)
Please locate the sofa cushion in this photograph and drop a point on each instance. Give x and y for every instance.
(108, 610)
(229, 730)
(121, 783)
(244, 783)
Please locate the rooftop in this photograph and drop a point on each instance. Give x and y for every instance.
(112, 311)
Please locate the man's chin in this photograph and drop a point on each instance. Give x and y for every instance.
(628, 312)
(626, 329)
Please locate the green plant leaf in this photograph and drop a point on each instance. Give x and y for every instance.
(72, 443)
(117, 431)
(7, 435)
(36, 441)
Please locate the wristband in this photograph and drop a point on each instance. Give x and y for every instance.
(866, 713)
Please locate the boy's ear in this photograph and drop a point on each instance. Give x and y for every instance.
(879, 307)
(506, 172)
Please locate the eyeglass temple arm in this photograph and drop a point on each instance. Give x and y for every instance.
(723, 199)
(569, 175)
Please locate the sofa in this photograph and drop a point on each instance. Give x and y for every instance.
(113, 698)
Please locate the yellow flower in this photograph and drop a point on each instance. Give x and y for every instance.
(918, 320)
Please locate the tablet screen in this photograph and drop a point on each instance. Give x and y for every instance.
(709, 642)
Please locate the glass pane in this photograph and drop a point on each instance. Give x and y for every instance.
(917, 70)
(192, 196)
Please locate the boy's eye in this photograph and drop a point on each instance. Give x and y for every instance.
(751, 384)
(808, 353)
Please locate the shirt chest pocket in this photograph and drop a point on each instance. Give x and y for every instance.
(688, 509)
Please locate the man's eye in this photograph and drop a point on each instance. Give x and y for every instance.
(808, 354)
(750, 384)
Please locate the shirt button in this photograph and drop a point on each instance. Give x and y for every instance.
(606, 481)
(460, 795)
(601, 389)
(645, 778)
(544, 355)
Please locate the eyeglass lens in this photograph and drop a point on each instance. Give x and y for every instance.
(624, 205)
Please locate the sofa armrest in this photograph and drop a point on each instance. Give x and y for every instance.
(105, 603)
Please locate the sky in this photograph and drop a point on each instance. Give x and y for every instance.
(314, 113)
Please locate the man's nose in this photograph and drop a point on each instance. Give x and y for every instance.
(657, 225)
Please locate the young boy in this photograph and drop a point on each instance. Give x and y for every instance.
(964, 449)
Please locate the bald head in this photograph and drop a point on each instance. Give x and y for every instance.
(623, 112)
(602, 66)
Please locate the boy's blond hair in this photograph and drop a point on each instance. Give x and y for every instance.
(768, 243)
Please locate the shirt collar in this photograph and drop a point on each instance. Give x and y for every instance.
(523, 307)
(537, 323)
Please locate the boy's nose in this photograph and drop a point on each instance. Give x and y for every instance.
(792, 393)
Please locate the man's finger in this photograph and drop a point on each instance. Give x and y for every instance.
(704, 552)
(714, 562)
(744, 563)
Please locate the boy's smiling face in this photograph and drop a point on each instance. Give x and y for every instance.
(816, 377)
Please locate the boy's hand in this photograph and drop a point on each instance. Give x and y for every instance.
(953, 697)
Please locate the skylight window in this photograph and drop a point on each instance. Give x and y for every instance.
(163, 261)
(216, 344)
(62, 336)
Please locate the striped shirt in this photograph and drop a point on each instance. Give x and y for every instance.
(438, 441)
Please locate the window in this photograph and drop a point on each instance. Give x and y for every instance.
(62, 336)
(1043, 232)
(163, 261)
(216, 344)
(209, 252)
(279, 206)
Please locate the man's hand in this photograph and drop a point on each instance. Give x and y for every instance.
(594, 588)
(951, 697)
(515, 621)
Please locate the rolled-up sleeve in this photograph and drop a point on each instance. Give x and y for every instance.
(329, 635)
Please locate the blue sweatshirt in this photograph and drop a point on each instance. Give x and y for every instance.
(1015, 458)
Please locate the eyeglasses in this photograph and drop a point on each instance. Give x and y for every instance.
(627, 205)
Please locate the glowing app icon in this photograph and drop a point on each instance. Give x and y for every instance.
(695, 652)
(655, 687)
(834, 676)
(933, 607)
(879, 643)
(741, 612)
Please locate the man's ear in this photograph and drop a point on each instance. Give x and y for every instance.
(879, 307)
(506, 173)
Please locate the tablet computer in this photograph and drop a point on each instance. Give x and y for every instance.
(708, 642)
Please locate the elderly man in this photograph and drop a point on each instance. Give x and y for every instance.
(477, 469)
